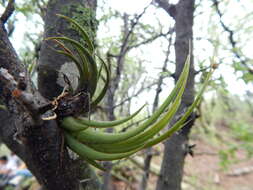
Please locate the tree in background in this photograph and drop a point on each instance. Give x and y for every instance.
(176, 148)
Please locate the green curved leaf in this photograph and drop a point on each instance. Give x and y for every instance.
(107, 81)
(107, 124)
(83, 32)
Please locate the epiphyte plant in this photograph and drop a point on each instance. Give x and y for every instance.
(93, 145)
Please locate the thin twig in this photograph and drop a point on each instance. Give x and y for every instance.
(128, 31)
(151, 39)
(231, 38)
(202, 70)
(134, 23)
(136, 94)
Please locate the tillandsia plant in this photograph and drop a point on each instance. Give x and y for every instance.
(93, 145)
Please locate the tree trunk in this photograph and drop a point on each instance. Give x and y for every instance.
(40, 143)
(176, 147)
(50, 63)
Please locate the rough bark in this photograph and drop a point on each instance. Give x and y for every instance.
(39, 143)
(9, 61)
(176, 147)
(49, 61)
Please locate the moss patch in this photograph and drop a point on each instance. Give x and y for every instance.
(86, 17)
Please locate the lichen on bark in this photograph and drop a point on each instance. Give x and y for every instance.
(50, 61)
(85, 16)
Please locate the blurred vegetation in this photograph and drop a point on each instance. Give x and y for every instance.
(226, 122)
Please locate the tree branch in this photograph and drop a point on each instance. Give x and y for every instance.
(39, 144)
(134, 22)
(124, 47)
(231, 38)
(169, 8)
(151, 39)
(203, 69)
(8, 11)
(136, 94)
